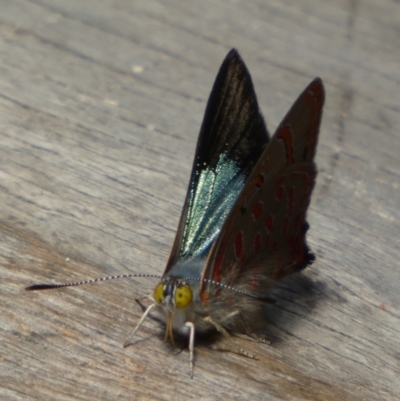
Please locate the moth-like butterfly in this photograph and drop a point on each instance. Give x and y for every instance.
(243, 223)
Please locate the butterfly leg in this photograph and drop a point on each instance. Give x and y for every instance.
(250, 336)
(190, 326)
(227, 336)
(253, 337)
(142, 319)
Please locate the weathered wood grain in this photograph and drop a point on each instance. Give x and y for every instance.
(101, 103)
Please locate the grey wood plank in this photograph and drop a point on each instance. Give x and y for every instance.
(101, 103)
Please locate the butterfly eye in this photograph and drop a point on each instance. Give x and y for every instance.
(159, 293)
(183, 296)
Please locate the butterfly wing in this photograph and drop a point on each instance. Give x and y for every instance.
(263, 238)
(232, 138)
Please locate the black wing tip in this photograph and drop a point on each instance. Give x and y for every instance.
(233, 52)
(37, 287)
(318, 80)
(317, 87)
(233, 56)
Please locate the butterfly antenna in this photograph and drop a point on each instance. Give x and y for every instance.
(233, 289)
(36, 287)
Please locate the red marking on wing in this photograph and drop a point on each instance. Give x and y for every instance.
(269, 223)
(280, 192)
(239, 251)
(257, 210)
(285, 134)
(218, 266)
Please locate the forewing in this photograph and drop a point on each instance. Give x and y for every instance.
(232, 138)
(263, 238)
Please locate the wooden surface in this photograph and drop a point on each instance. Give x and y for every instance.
(101, 103)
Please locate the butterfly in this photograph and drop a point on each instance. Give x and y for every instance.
(243, 223)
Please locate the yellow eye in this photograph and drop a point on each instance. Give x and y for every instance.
(183, 296)
(159, 293)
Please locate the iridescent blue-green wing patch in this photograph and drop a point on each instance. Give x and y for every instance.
(232, 138)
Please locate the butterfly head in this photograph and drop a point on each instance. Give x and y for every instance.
(173, 293)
